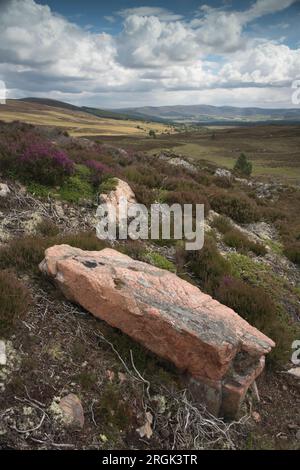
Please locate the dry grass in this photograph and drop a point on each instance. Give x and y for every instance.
(75, 122)
(14, 302)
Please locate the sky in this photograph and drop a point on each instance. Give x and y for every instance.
(120, 53)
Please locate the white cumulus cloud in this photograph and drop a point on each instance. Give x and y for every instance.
(158, 55)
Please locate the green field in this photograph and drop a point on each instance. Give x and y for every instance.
(261, 166)
(273, 150)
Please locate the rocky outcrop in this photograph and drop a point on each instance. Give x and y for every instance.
(295, 372)
(223, 173)
(122, 190)
(219, 351)
(4, 190)
(3, 358)
(176, 160)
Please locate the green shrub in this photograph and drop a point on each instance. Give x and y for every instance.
(140, 174)
(236, 239)
(292, 251)
(152, 133)
(77, 186)
(243, 166)
(159, 261)
(237, 206)
(83, 240)
(187, 197)
(15, 301)
(108, 185)
(144, 195)
(39, 190)
(133, 248)
(250, 302)
(113, 412)
(47, 228)
(87, 380)
(222, 182)
(181, 184)
(25, 254)
(256, 306)
(222, 224)
(206, 264)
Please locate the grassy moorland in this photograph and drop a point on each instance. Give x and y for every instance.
(250, 262)
(76, 123)
(273, 149)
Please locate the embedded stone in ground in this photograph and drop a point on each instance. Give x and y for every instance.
(220, 352)
(4, 190)
(3, 358)
(72, 410)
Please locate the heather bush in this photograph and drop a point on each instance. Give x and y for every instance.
(222, 182)
(292, 251)
(141, 175)
(25, 254)
(47, 228)
(237, 206)
(222, 224)
(133, 248)
(15, 301)
(144, 195)
(25, 155)
(237, 239)
(188, 197)
(176, 183)
(207, 264)
(133, 175)
(98, 172)
(250, 302)
(257, 307)
(43, 163)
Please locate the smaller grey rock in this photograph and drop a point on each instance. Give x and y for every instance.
(295, 372)
(293, 427)
(59, 210)
(298, 435)
(222, 173)
(263, 230)
(177, 160)
(3, 358)
(243, 181)
(4, 190)
(72, 410)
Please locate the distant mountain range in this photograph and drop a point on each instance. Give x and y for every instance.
(193, 114)
(213, 114)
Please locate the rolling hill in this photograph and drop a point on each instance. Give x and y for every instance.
(99, 112)
(213, 114)
(75, 120)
